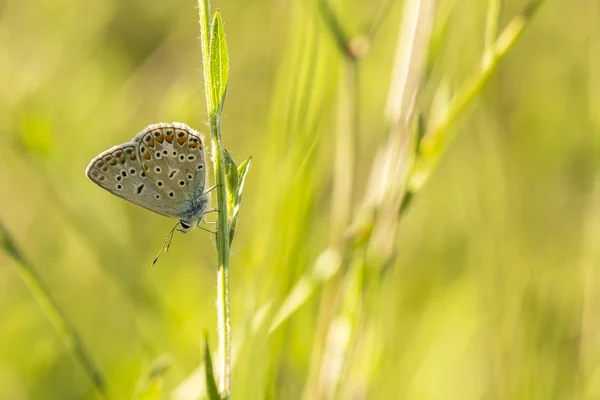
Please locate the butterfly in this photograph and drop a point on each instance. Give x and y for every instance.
(162, 169)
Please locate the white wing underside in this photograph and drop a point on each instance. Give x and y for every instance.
(160, 169)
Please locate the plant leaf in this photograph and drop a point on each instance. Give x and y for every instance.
(232, 179)
(219, 64)
(64, 327)
(211, 384)
(242, 170)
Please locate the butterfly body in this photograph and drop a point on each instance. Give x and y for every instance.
(161, 169)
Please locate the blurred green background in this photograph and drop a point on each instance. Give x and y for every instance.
(492, 291)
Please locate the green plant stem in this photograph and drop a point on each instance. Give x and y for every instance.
(53, 312)
(223, 316)
(218, 158)
(364, 221)
(438, 134)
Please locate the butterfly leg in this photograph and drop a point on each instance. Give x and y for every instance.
(206, 229)
(210, 189)
(203, 215)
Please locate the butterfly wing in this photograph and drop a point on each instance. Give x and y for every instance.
(126, 171)
(172, 156)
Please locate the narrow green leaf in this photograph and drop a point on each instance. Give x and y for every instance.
(63, 326)
(232, 178)
(219, 64)
(211, 384)
(439, 135)
(242, 171)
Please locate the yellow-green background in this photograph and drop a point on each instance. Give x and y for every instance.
(494, 291)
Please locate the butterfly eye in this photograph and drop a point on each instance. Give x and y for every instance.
(185, 225)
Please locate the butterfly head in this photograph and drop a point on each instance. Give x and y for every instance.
(187, 226)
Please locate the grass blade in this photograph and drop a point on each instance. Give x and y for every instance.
(219, 64)
(232, 178)
(53, 312)
(242, 170)
(437, 138)
(211, 384)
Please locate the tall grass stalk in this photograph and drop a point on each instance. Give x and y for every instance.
(441, 134)
(394, 189)
(65, 328)
(228, 178)
(410, 59)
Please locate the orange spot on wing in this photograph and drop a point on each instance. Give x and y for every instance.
(146, 155)
(112, 162)
(181, 139)
(149, 141)
(122, 159)
(193, 145)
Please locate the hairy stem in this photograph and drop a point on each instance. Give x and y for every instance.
(223, 228)
(223, 318)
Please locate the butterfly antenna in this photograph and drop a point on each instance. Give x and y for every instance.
(166, 244)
